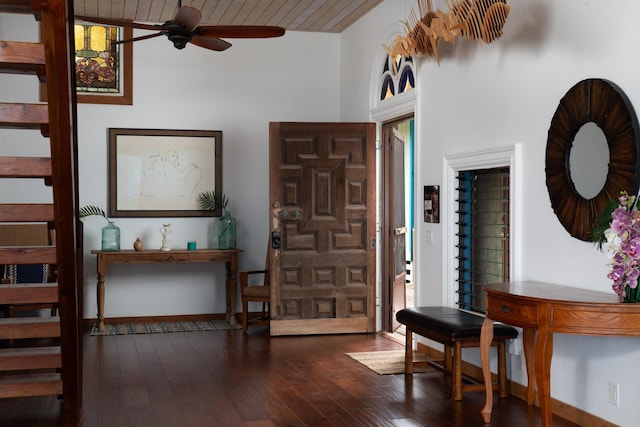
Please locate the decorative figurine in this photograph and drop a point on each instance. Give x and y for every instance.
(165, 231)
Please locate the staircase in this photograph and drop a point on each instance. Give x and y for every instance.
(43, 355)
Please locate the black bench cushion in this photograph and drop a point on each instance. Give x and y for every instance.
(448, 322)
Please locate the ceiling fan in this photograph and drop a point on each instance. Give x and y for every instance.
(184, 28)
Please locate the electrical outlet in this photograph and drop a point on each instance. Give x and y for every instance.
(614, 393)
(518, 361)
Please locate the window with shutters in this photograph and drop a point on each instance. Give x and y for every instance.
(482, 236)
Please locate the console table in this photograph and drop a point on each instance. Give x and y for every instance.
(228, 256)
(547, 308)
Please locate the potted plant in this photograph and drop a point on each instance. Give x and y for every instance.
(110, 232)
(211, 201)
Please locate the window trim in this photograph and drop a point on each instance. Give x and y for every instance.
(509, 156)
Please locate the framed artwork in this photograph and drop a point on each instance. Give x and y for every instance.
(161, 173)
(431, 203)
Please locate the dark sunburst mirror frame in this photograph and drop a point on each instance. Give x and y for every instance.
(602, 102)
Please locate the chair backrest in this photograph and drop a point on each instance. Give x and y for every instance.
(26, 235)
(267, 264)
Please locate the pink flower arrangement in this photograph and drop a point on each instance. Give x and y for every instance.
(621, 242)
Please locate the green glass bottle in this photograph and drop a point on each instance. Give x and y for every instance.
(111, 237)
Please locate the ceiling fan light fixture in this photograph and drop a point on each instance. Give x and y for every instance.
(179, 40)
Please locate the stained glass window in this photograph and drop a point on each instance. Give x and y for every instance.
(97, 59)
(397, 76)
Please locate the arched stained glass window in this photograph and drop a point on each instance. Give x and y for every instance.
(397, 76)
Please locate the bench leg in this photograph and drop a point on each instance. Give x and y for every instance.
(502, 369)
(448, 358)
(457, 371)
(408, 353)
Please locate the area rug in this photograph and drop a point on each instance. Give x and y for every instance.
(163, 327)
(389, 361)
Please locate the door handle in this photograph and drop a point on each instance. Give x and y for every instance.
(275, 239)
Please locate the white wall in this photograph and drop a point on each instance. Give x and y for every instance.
(239, 91)
(485, 96)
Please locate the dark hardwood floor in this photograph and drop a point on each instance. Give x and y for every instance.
(223, 378)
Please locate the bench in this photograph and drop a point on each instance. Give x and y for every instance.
(455, 329)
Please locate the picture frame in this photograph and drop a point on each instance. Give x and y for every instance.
(161, 172)
(432, 203)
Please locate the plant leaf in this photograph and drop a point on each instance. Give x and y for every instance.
(91, 210)
(210, 201)
(602, 223)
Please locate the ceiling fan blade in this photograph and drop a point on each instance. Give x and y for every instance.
(119, 23)
(240, 31)
(189, 17)
(210, 43)
(136, 39)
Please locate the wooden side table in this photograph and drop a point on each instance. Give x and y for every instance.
(542, 309)
(228, 256)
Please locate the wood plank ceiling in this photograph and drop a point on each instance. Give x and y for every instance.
(330, 16)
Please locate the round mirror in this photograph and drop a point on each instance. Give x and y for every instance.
(603, 103)
(589, 160)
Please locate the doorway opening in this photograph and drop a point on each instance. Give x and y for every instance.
(397, 204)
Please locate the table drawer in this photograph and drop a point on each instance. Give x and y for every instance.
(170, 257)
(512, 312)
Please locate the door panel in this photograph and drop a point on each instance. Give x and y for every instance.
(322, 198)
(398, 259)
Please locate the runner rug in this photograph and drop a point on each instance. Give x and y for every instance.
(389, 361)
(163, 327)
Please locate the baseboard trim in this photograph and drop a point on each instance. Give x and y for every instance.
(559, 408)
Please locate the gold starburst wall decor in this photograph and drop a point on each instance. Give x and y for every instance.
(473, 19)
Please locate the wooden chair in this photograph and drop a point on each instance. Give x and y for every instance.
(27, 235)
(256, 292)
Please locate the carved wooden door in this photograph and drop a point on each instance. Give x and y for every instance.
(322, 199)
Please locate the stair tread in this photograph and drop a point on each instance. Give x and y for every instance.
(26, 212)
(27, 255)
(29, 327)
(25, 167)
(15, 6)
(29, 351)
(30, 358)
(29, 378)
(21, 57)
(29, 293)
(37, 384)
(29, 116)
(29, 285)
(16, 321)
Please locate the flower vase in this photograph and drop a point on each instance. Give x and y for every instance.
(227, 232)
(631, 295)
(111, 237)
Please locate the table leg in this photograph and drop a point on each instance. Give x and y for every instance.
(544, 350)
(232, 272)
(486, 336)
(100, 297)
(529, 346)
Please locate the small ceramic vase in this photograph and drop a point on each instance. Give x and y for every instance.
(137, 245)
